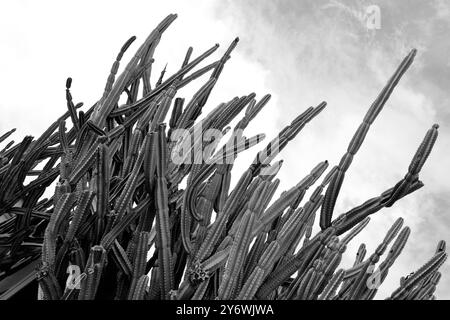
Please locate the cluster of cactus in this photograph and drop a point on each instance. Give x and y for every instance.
(123, 226)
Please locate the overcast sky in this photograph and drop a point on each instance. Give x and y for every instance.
(302, 52)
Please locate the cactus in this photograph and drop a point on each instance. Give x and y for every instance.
(120, 196)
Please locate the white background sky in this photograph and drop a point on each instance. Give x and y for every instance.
(302, 52)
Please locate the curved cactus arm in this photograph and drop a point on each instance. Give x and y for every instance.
(189, 205)
(349, 219)
(358, 138)
(115, 67)
(106, 105)
(414, 168)
(428, 268)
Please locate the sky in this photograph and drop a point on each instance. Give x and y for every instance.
(301, 52)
